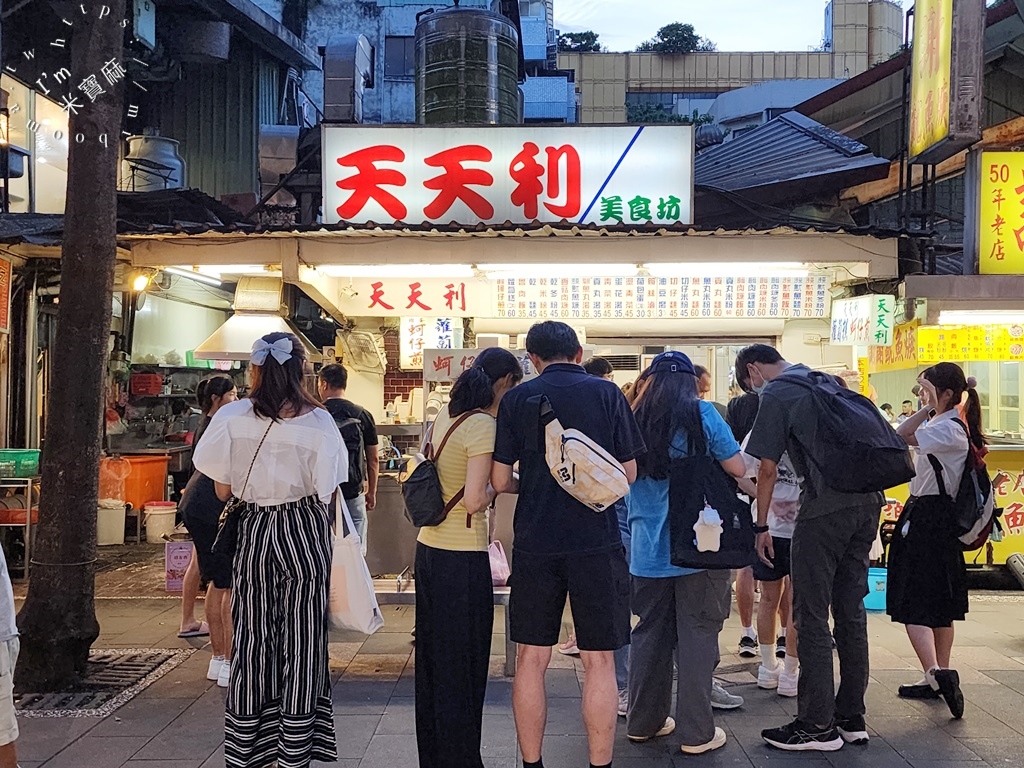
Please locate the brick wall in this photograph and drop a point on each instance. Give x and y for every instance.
(397, 383)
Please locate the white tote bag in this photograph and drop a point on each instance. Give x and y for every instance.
(352, 603)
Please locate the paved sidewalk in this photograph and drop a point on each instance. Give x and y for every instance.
(177, 722)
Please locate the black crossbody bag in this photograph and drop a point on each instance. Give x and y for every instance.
(226, 542)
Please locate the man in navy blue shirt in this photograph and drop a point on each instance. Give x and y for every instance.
(563, 547)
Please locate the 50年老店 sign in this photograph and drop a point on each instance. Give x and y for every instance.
(609, 175)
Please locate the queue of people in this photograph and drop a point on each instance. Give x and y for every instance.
(282, 460)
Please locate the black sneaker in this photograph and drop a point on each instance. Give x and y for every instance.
(780, 647)
(918, 691)
(748, 647)
(801, 737)
(852, 729)
(949, 687)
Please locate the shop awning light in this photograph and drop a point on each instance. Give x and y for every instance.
(219, 270)
(197, 276)
(729, 269)
(980, 317)
(397, 270)
(499, 271)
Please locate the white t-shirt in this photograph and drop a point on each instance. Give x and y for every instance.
(785, 498)
(8, 626)
(946, 440)
(300, 457)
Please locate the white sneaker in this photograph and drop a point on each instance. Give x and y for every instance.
(699, 749)
(722, 699)
(213, 672)
(623, 703)
(225, 674)
(787, 684)
(768, 679)
(665, 730)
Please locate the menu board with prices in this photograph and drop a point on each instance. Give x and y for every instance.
(901, 356)
(970, 343)
(588, 298)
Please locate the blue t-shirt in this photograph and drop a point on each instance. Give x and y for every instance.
(648, 502)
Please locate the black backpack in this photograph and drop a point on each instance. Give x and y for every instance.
(352, 435)
(857, 450)
(974, 508)
(693, 481)
(425, 506)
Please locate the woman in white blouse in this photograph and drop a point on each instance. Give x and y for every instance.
(281, 454)
(927, 588)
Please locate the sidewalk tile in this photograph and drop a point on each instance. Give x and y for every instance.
(163, 764)
(498, 740)
(354, 733)
(106, 752)
(375, 666)
(42, 737)
(998, 751)
(361, 697)
(390, 752)
(141, 717)
(562, 683)
(399, 718)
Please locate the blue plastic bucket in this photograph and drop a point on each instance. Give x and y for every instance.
(877, 580)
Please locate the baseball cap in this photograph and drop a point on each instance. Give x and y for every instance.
(672, 362)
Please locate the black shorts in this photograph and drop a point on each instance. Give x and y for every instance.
(782, 562)
(214, 568)
(597, 585)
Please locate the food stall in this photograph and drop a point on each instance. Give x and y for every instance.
(590, 225)
(993, 355)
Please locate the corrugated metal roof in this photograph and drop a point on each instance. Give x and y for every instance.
(790, 148)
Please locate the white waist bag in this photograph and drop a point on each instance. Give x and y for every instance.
(352, 603)
(583, 468)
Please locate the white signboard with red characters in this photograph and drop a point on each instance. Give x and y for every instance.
(609, 175)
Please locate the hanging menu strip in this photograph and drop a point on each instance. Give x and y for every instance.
(586, 298)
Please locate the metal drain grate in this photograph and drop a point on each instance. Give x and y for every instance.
(113, 677)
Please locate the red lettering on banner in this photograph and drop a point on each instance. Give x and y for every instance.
(414, 297)
(368, 181)
(453, 184)
(377, 299)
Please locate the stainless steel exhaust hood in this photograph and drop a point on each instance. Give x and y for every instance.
(234, 339)
(257, 313)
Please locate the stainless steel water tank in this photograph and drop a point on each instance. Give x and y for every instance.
(467, 68)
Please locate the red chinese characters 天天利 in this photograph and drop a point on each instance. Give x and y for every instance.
(377, 299)
(368, 181)
(455, 293)
(414, 297)
(455, 181)
(526, 171)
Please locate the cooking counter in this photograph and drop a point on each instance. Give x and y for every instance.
(179, 455)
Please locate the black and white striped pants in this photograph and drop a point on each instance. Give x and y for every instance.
(279, 699)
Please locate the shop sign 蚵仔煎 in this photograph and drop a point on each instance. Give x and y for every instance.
(864, 321)
(608, 175)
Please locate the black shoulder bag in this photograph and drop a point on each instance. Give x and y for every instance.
(421, 490)
(693, 481)
(227, 531)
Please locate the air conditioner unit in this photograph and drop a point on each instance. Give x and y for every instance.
(521, 341)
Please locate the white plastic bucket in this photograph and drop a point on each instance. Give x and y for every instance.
(159, 521)
(110, 522)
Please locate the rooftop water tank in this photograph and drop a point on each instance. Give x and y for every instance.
(467, 68)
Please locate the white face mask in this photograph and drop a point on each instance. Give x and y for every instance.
(759, 388)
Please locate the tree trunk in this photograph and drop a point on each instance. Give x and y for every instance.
(58, 621)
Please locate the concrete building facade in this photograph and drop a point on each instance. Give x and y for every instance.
(858, 35)
(390, 27)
